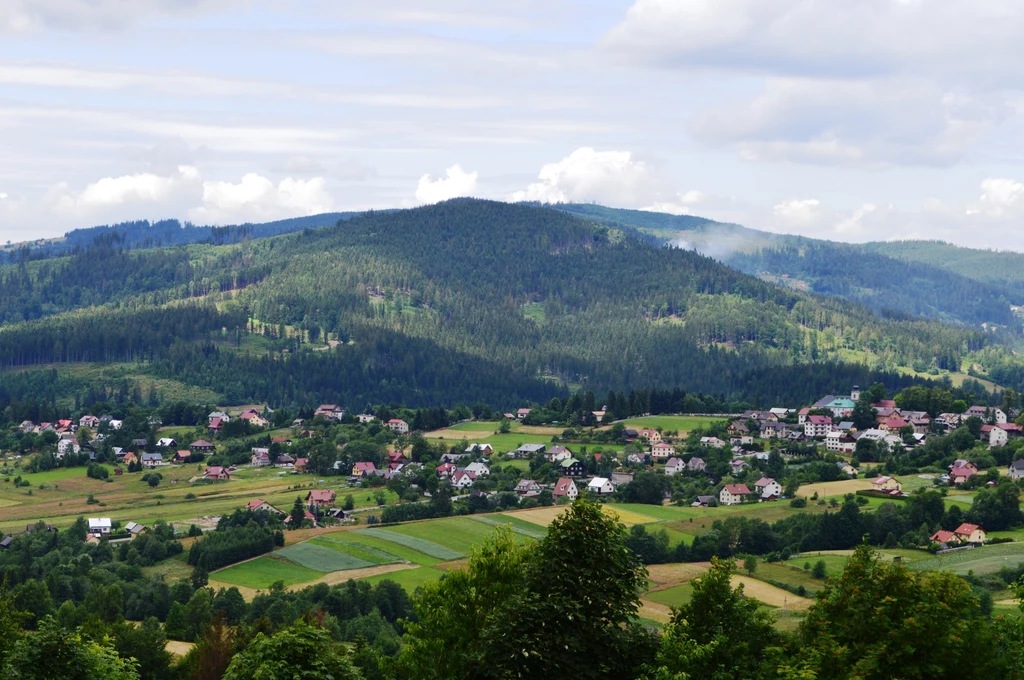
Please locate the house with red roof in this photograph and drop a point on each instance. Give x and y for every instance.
(364, 469)
(970, 533)
(201, 446)
(300, 464)
(733, 494)
(260, 504)
(662, 450)
(253, 417)
(565, 488)
(398, 426)
(959, 475)
(945, 537)
(320, 498)
(462, 479)
(216, 424)
(817, 426)
(885, 484)
(217, 472)
(446, 470)
(893, 424)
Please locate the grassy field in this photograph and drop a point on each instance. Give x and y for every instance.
(321, 558)
(457, 535)
(418, 539)
(682, 423)
(987, 560)
(262, 571)
(675, 596)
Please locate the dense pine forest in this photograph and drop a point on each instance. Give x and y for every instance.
(456, 302)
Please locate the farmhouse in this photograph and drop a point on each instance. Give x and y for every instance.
(300, 464)
(320, 498)
(134, 528)
(733, 494)
(479, 449)
(600, 486)
(522, 413)
(565, 488)
(99, 526)
(217, 472)
(181, 457)
(398, 426)
(364, 469)
(702, 502)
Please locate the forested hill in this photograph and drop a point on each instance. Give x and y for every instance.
(146, 234)
(919, 278)
(450, 303)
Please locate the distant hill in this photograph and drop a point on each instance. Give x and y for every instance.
(459, 301)
(926, 278)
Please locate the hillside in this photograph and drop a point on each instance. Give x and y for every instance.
(459, 301)
(930, 279)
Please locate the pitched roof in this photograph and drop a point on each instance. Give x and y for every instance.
(322, 495)
(966, 529)
(737, 489)
(943, 536)
(563, 486)
(764, 481)
(819, 420)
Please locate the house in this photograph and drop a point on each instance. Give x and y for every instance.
(663, 450)
(284, 461)
(89, 421)
(845, 426)
(987, 413)
(840, 406)
(599, 415)
(600, 486)
(479, 449)
(738, 428)
(1016, 470)
(696, 464)
(846, 468)
(329, 411)
(166, 443)
(759, 416)
(253, 417)
(885, 484)
(945, 537)
(801, 417)
(674, 466)
(572, 467)
(522, 413)
(462, 479)
(702, 502)
(305, 515)
(320, 498)
(260, 457)
(768, 489)
(780, 412)
(652, 436)
(398, 426)
(365, 418)
(964, 463)
(713, 442)
(445, 470)
(529, 450)
(733, 494)
(282, 440)
(216, 425)
(565, 488)
(738, 466)
(478, 469)
(959, 475)
(364, 469)
(773, 430)
(817, 426)
(300, 464)
(527, 488)
(840, 442)
(218, 415)
(217, 472)
(556, 454)
(99, 526)
(452, 457)
(134, 528)
(261, 505)
(796, 436)
(66, 446)
(970, 533)
(152, 460)
(181, 457)
(201, 446)
(631, 433)
(620, 478)
(893, 424)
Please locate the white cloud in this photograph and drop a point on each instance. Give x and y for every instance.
(610, 177)
(116, 195)
(456, 183)
(256, 198)
(1000, 198)
(25, 15)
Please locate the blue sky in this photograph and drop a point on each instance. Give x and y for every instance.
(861, 120)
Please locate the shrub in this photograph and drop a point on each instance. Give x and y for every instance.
(798, 503)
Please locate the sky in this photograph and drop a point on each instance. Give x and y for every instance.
(855, 121)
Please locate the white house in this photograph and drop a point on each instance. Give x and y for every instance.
(66, 446)
(556, 454)
(528, 488)
(260, 457)
(696, 465)
(565, 488)
(600, 486)
(398, 426)
(817, 426)
(116, 424)
(99, 526)
(152, 460)
(716, 443)
(733, 494)
(462, 479)
(840, 442)
(478, 469)
(166, 442)
(1016, 470)
(674, 466)
(767, 488)
(365, 418)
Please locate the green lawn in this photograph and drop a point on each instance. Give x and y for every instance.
(359, 551)
(681, 423)
(400, 551)
(676, 596)
(263, 571)
(474, 427)
(410, 579)
(458, 534)
(985, 560)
